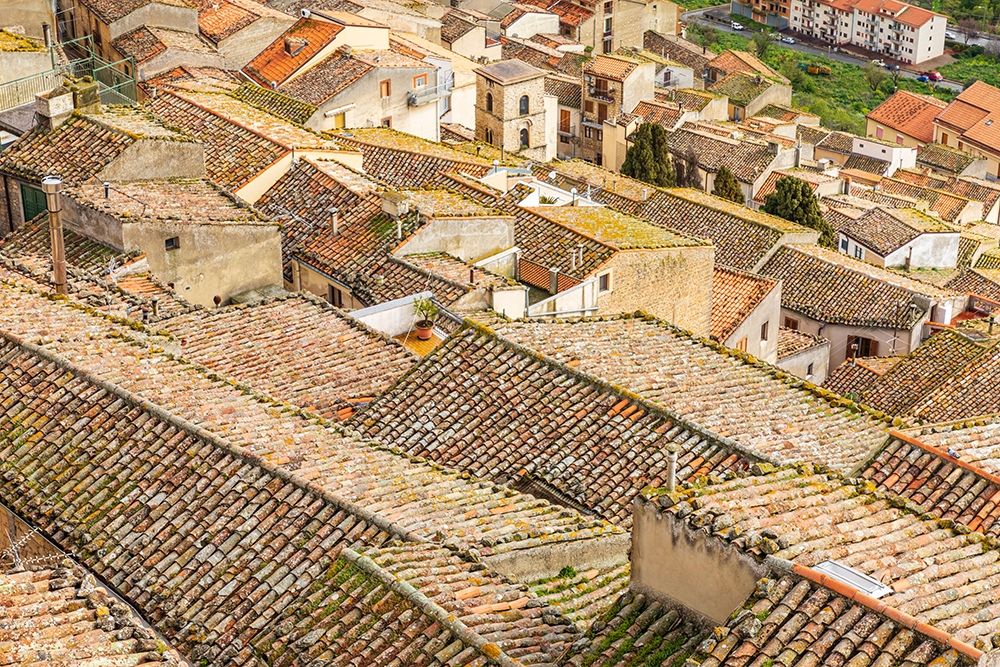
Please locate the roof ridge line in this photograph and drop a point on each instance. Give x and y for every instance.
(787, 378)
(892, 613)
(489, 649)
(831, 262)
(936, 451)
(426, 272)
(646, 404)
(353, 138)
(226, 119)
(207, 436)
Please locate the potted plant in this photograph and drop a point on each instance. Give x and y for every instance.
(427, 310)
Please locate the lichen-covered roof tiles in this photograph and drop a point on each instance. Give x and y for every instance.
(942, 158)
(735, 295)
(753, 404)
(938, 573)
(792, 342)
(497, 410)
(746, 159)
(617, 230)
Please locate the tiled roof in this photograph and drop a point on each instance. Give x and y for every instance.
(219, 20)
(948, 470)
(947, 205)
(661, 113)
(275, 103)
(868, 164)
(569, 91)
(811, 135)
(389, 277)
(31, 243)
(887, 230)
(307, 37)
(570, 14)
(974, 113)
(551, 244)
(742, 237)
(856, 375)
(838, 142)
(677, 48)
(234, 155)
(989, 260)
(940, 575)
(792, 342)
(831, 287)
(112, 10)
(747, 160)
(982, 282)
(758, 406)
(404, 160)
(969, 392)
(82, 146)
(323, 81)
(608, 66)
(921, 371)
(732, 61)
(741, 88)
(295, 491)
(454, 26)
(735, 295)
(296, 348)
(15, 42)
(177, 200)
(692, 100)
(788, 619)
(61, 616)
(810, 178)
(909, 113)
(937, 156)
(484, 405)
(614, 229)
(141, 44)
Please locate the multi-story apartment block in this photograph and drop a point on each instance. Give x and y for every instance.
(897, 30)
(613, 85)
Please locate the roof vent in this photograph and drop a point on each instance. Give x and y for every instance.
(848, 575)
(294, 45)
(305, 13)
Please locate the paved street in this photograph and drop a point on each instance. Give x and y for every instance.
(702, 16)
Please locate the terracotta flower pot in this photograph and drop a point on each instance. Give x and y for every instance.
(425, 329)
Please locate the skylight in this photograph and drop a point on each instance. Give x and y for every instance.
(851, 577)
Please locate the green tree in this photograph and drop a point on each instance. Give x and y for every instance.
(793, 200)
(761, 43)
(727, 187)
(648, 159)
(686, 170)
(875, 76)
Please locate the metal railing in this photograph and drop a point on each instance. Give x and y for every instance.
(20, 92)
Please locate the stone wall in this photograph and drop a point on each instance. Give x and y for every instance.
(506, 121)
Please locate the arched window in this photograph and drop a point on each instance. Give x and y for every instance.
(524, 137)
(523, 106)
(489, 137)
(489, 102)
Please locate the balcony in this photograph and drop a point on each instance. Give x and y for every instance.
(427, 94)
(567, 130)
(602, 94)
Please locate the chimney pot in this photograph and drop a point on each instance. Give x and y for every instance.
(672, 471)
(52, 187)
(107, 189)
(335, 223)
(554, 280)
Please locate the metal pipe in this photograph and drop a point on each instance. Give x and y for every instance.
(52, 187)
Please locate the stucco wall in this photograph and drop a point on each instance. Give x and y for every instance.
(156, 158)
(155, 14)
(673, 563)
(315, 282)
(29, 15)
(240, 48)
(769, 312)
(799, 364)
(18, 64)
(465, 238)
(674, 284)
(902, 340)
(533, 24)
(213, 260)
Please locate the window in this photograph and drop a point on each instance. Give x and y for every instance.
(604, 282)
(878, 132)
(791, 323)
(741, 344)
(173, 243)
(419, 81)
(588, 132)
(588, 106)
(809, 370)
(859, 252)
(602, 113)
(607, 25)
(763, 331)
(387, 122)
(385, 88)
(844, 243)
(899, 140)
(524, 137)
(340, 121)
(489, 136)
(489, 102)
(609, 7)
(607, 45)
(334, 296)
(522, 105)
(859, 346)
(32, 201)
(564, 119)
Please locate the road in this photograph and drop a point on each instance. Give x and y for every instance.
(703, 16)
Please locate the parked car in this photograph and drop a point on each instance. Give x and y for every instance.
(735, 25)
(933, 75)
(788, 40)
(878, 62)
(950, 35)
(814, 69)
(923, 78)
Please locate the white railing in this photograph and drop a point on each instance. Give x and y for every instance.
(574, 302)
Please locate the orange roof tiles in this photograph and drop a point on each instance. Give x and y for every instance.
(909, 113)
(735, 295)
(975, 113)
(275, 64)
(611, 67)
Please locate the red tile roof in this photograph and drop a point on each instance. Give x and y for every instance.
(909, 113)
(274, 65)
(735, 295)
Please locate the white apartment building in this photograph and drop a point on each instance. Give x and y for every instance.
(893, 29)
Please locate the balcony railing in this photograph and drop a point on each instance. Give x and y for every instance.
(602, 94)
(568, 130)
(426, 94)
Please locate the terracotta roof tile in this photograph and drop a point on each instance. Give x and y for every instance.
(306, 37)
(753, 404)
(982, 282)
(112, 10)
(937, 156)
(733, 61)
(909, 113)
(792, 342)
(218, 20)
(569, 91)
(327, 79)
(141, 44)
(735, 295)
(617, 68)
(678, 49)
(746, 159)
(273, 102)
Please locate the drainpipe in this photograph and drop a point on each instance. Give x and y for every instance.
(52, 187)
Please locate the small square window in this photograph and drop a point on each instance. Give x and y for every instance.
(173, 243)
(386, 122)
(604, 282)
(763, 331)
(419, 81)
(844, 243)
(809, 370)
(385, 88)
